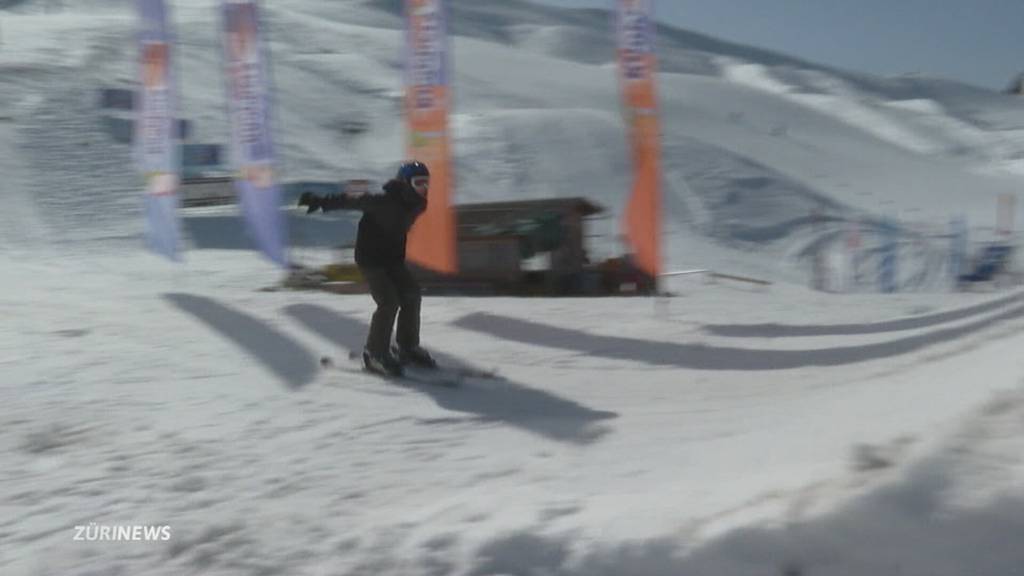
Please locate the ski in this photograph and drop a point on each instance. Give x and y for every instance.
(461, 372)
(411, 375)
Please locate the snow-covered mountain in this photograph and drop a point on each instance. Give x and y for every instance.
(728, 431)
(755, 142)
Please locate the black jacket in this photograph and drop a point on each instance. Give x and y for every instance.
(385, 224)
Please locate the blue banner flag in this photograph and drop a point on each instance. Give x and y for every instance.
(248, 87)
(157, 138)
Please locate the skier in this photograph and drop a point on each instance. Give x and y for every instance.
(380, 255)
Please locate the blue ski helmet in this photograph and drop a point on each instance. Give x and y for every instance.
(412, 169)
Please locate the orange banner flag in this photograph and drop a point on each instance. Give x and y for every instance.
(432, 241)
(637, 78)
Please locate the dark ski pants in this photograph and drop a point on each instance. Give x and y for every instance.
(396, 292)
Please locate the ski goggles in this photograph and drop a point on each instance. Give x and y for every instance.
(420, 182)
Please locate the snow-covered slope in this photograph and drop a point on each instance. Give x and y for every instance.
(730, 430)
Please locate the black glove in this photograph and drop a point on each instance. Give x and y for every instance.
(311, 201)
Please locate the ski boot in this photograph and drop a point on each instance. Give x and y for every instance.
(384, 365)
(415, 356)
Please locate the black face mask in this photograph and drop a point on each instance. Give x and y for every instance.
(411, 197)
